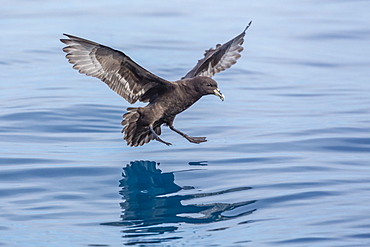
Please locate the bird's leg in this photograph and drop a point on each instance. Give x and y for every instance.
(157, 137)
(189, 138)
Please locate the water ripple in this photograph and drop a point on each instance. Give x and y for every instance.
(152, 198)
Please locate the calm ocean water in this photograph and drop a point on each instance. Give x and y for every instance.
(287, 157)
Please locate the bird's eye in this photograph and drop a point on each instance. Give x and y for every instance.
(209, 85)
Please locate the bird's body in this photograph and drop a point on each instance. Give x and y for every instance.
(131, 81)
(163, 110)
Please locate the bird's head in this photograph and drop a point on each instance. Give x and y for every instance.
(207, 85)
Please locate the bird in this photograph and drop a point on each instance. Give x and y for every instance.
(134, 83)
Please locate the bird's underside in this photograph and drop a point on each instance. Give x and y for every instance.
(140, 133)
(135, 83)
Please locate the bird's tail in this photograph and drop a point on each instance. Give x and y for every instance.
(134, 133)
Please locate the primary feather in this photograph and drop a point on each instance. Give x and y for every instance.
(113, 67)
(220, 58)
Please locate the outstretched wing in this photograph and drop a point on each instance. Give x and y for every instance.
(220, 58)
(116, 69)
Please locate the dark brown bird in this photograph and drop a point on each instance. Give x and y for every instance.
(133, 82)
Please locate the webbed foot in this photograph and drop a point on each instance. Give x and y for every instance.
(157, 137)
(160, 140)
(196, 140)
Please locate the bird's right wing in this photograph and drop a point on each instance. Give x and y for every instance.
(116, 69)
(220, 58)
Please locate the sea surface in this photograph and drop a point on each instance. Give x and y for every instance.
(287, 162)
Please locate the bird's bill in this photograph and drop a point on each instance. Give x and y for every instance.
(218, 93)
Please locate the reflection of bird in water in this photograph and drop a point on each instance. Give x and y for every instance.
(134, 83)
(150, 199)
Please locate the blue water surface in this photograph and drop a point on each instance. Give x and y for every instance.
(287, 157)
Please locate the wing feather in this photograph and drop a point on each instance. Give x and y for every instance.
(115, 68)
(220, 58)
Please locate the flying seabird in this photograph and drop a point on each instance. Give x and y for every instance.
(134, 83)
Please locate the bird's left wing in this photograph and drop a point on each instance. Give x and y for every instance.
(220, 58)
(115, 68)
